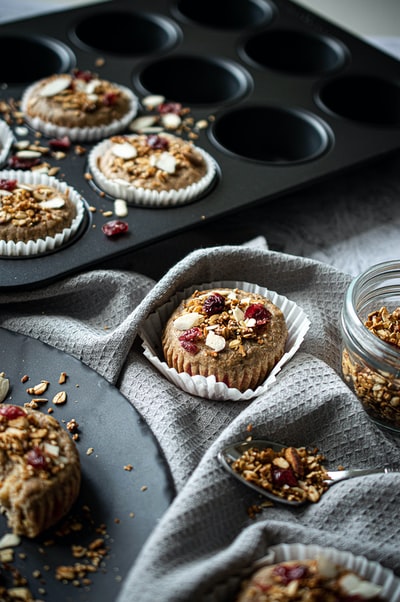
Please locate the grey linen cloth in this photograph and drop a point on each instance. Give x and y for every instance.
(207, 536)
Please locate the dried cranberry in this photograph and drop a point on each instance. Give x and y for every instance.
(110, 99)
(60, 144)
(284, 476)
(17, 163)
(290, 573)
(259, 313)
(114, 227)
(158, 142)
(12, 412)
(87, 76)
(189, 347)
(192, 334)
(8, 184)
(188, 338)
(36, 458)
(214, 304)
(169, 107)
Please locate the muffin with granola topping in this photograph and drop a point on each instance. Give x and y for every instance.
(319, 579)
(79, 105)
(234, 335)
(40, 472)
(156, 169)
(37, 213)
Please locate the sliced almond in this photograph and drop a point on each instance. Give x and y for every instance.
(215, 341)
(153, 100)
(55, 86)
(166, 162)
(142, 123)
(124, 150)
(54, 203)
(4, 387)
(187, 321)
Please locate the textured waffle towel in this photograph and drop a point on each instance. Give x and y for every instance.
(206, 537)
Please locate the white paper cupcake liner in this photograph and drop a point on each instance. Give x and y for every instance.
(81, 134)
(142, 196)
(50, 243)
(368, 569)
(207, 387)
(6, 141)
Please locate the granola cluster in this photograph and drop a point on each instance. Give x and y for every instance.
(294, 474)
(230, 318)
(155, 162)
(378, 391)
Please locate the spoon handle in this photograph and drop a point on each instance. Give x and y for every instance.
(341, 475)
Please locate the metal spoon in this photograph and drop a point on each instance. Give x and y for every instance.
(234, 451)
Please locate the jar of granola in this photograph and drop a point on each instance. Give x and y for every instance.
(370, 325)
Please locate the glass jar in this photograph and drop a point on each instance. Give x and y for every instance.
(371, 364)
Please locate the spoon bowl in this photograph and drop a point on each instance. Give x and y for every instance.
(234, 451)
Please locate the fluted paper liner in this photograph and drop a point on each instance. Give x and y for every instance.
(207, 387)
(143, 196)
(50, 243)
(370, 570)
(81, 134)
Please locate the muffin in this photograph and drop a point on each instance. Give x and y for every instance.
(233, 335)
(79, 105)
(37, 213)
(156, 169)
(320, 580)
(39, 467)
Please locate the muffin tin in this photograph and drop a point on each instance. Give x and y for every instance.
(288, 99)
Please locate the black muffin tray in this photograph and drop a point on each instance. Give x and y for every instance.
(288, 98)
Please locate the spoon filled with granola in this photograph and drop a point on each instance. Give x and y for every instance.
(288, 475)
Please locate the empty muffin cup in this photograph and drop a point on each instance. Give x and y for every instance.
(195, 80)
(295, 52)
(271, 134)
(361, 98)
(226, 14)
(125, 33)
(36, 57)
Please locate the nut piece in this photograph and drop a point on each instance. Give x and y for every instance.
(38, 389)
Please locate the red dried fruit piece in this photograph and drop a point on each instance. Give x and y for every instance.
(188, 338)
(259, 313)
(192, 334)
(169, 107)
(189, 347)
(60, 144)
(87, 76)
(290, 573)
(12, 412)
(114, 227)
(110, 98)
(36, 458)
(158, 142)
(214, 304)
(284, 476)
(8, 184)
(17, 163)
